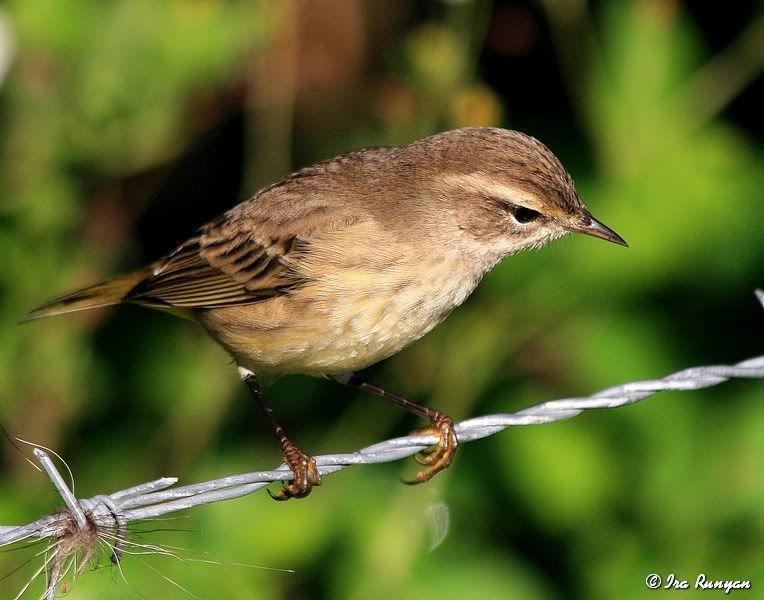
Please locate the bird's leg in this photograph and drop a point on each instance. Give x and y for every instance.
(441, 426)
(305, 474)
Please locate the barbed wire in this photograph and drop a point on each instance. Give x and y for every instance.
(112, 512)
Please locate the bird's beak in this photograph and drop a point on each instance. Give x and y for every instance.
(590, 226)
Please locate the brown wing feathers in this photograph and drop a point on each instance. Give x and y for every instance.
(223, 266)
(244, 256)
(218, 268)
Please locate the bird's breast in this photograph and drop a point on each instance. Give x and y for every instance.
(348, 317)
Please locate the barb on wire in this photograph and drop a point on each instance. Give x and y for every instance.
(112, 512)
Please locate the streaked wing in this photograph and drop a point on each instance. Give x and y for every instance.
(221, 267)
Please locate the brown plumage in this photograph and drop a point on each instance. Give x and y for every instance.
(344, 263)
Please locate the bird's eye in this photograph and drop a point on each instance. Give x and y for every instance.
(524, 215)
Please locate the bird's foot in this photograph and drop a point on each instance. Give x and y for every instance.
(441, 455)
(305, 474)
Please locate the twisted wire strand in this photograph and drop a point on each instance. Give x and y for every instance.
(156, 498)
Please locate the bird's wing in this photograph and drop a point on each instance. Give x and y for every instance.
(254, 251)
(223, 266)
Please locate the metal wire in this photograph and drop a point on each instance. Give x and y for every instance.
(114, 511)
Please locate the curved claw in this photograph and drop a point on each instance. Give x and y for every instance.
(305, 474)
(289, 491)
(441, 456)
(425, 457)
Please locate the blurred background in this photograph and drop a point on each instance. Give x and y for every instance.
(125, 125)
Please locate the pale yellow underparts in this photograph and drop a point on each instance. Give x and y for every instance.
(359, 308)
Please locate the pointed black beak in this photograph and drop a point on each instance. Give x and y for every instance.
(590, 226)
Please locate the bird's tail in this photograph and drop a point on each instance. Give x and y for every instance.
(103, 294)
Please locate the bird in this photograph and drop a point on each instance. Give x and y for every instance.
(346, 262)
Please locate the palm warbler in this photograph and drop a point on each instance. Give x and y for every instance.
(346, 262)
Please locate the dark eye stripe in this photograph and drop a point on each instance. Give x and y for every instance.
(524, 215)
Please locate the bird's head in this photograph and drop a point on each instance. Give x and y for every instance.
(508, 190)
